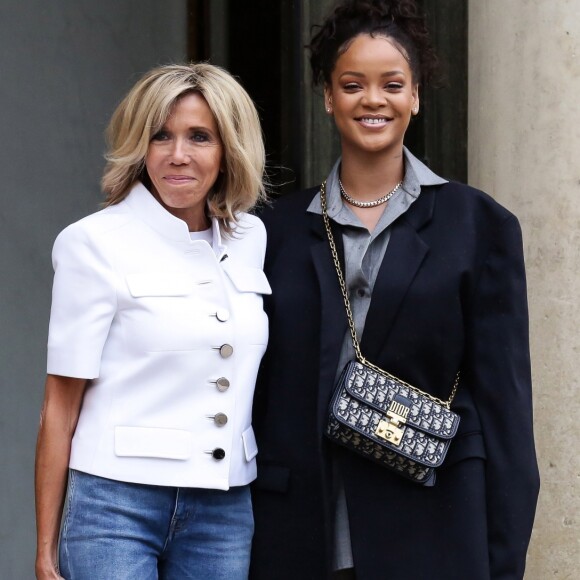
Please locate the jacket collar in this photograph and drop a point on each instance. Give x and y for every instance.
(417, 176)
(149, 210)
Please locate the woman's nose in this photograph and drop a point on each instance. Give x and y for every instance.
(374, 98)
(179, 153)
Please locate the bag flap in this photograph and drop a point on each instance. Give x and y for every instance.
(378, 392)
(360, 404)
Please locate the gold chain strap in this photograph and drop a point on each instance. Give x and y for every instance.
(350, 317)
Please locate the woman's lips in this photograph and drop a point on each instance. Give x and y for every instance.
(177, 178)
(373, 122)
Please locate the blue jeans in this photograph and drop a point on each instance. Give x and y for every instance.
(114, 530)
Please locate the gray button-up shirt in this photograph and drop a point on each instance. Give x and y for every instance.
(364, 252)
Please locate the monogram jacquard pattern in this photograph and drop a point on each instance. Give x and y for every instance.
(361, 401)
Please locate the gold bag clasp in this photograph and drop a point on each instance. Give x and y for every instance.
(392, 428)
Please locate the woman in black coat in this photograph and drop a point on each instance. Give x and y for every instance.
(435, 275)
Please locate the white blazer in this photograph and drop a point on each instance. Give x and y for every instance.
(171, 331)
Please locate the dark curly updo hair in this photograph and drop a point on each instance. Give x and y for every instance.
(399, 20)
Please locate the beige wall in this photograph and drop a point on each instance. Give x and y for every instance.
(524, 149)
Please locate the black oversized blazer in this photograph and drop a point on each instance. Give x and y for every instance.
(450, 294)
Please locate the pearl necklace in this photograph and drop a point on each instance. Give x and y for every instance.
(367, 204)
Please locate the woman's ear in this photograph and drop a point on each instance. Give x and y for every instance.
(328, 99)
(415, 102)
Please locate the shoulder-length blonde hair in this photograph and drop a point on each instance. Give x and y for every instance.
(146, 108)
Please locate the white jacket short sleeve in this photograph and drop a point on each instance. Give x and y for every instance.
(83, 305)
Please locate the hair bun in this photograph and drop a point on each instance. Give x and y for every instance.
(397, 11)
(401, 20)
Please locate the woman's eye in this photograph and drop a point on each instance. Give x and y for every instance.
(200, 137)
(351, 86)
(160, 136)
(394, 86)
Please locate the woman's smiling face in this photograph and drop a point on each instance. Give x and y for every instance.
(184, 159)
(372, 96)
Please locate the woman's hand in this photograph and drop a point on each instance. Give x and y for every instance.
(47, 570)
(58, 420)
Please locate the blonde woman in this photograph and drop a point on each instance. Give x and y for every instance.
(156, 333)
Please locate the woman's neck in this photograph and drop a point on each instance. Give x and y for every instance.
(366, 177)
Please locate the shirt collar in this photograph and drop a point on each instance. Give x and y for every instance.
(417, 175)
(150, 211)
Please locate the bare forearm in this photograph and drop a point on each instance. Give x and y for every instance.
(57, 424)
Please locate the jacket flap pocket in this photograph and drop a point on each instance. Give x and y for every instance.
(247, 279)
(250, 445)
(158, 284)
(153, 442)
(466, 446)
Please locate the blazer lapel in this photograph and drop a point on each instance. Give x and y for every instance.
(403, 258)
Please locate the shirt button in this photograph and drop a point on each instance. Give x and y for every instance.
(361, 292)
(222, 384)
(222, 314)
(220, 419)
(226, 350)
(218, 453)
